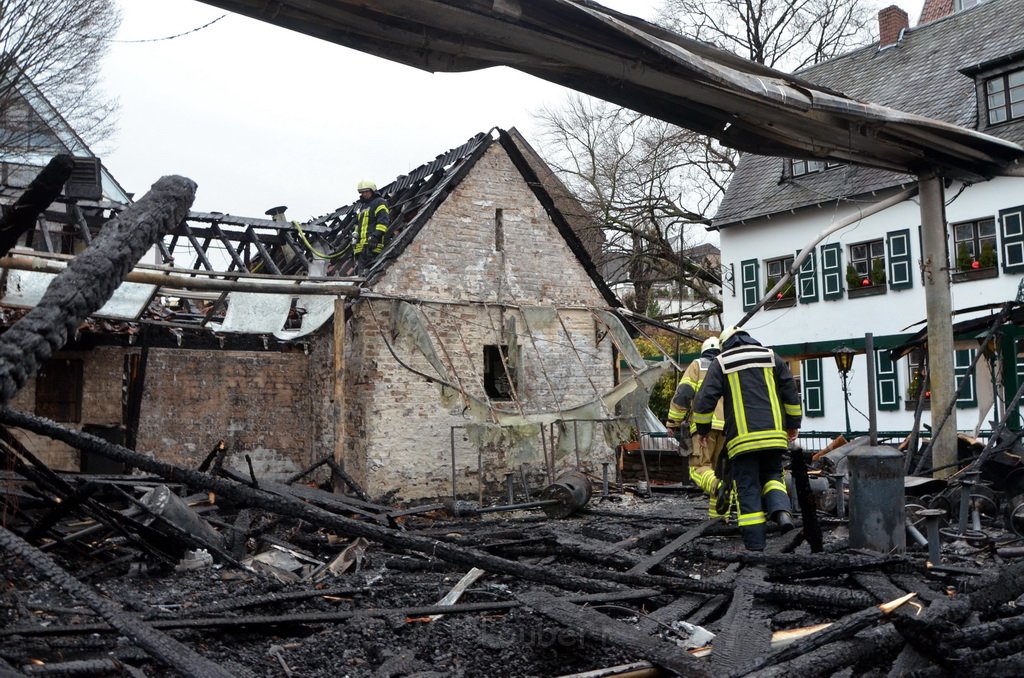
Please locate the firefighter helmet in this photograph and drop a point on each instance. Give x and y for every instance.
(728, 334)
(366, 185)
(710, 344)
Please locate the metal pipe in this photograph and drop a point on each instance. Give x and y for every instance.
(915, 534)
(932, 517)
(604, 479)
(510, 489)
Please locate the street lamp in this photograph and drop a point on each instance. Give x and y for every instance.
(844, 362)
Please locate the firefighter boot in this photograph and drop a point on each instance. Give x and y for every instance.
(754, 536)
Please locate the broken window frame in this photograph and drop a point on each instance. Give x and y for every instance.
(499, 377)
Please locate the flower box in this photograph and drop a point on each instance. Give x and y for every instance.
(865, 291)
(912, 404)
(975, 274)
(784, 302)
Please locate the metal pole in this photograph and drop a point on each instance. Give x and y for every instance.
(869, 354)
(935, 265)
(846, 403)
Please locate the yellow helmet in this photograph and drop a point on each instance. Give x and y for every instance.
(366, 185)
(711, 343)
(728, 332)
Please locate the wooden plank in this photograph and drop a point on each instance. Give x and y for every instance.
(599, 628)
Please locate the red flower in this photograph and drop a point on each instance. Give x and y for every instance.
(779, 295)
(927, 394)
(975, 264)
(865, 282)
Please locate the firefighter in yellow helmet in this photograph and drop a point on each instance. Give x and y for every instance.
(371, 225)
(703, 457)
(762, 415)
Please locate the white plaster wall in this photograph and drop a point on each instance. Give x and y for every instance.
(896, 312)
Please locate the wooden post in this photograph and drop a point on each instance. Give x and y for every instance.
(938, 304)
(339, 388)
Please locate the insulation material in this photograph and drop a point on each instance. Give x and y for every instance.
(576, 436)
(518, 444)
(24, 289)
(407, 324)
(621, 339)
(254, 313)
(318, 310)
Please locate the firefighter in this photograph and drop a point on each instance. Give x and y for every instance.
(762, 415)
(371, 225)
(703, 457)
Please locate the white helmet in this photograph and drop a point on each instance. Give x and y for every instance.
(366, 185)
(710, 344)
(728, 332)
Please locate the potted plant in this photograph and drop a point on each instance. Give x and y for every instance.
(852, 277)
(963, 258)
(988, 256)
(878, 272)
(784, 297)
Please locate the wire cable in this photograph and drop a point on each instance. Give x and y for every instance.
(169, 37)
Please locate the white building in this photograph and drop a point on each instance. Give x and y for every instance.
(965, 68)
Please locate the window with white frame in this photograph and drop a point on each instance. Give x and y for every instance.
(1004, 97)
(774, 270)
(802, 167)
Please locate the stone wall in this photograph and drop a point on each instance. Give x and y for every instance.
(474, 271)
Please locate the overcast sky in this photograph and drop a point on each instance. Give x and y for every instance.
(259, 116)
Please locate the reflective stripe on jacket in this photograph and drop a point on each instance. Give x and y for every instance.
(761, 399)
(688, 386)
(371, 224)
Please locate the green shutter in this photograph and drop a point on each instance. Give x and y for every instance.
(750, 282)
(814, 394)
(832, 271)
(900, 274)
(962, 361)
(887, 382)
(807, 279)
(1011, 223)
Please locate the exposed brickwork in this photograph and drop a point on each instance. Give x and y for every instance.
(399, 431)
(891, 20)
(257, 403)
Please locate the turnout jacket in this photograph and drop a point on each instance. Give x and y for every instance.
(688, 386)
(372, 220)
(760, 395)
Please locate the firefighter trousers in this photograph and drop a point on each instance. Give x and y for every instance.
(761, 492)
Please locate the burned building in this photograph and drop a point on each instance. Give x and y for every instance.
(481, 341)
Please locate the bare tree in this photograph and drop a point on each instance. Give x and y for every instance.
(653, 186)
(784, 34)
(648, 182)
(50, 53)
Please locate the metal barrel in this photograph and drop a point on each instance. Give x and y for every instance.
(571, 490)
(876, 510)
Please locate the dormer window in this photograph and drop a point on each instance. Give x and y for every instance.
(1004, 96)
(801, 167)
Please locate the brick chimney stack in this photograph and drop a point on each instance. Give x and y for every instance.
(891, 21)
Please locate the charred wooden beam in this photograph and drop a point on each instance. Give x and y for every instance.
(168, 650)
(598, 628)
(841, 629)
(664, 552)
(89, 281)
(284, 620)
(43, 190)
(745, 635)
(245, 496)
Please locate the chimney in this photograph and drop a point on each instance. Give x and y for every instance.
(935, 9)
(891, 21)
